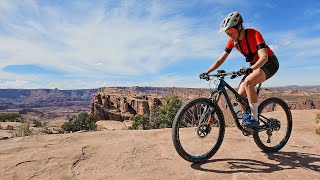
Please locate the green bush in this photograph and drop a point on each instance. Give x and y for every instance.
(168, 111)
(10, 117)
(37, 123)
(140, 122)
(68, 127)
(83, 121)
(154, 118)
(160, 117)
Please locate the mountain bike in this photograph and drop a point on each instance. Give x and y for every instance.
(198, 128)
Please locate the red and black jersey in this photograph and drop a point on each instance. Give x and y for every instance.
(254, 39)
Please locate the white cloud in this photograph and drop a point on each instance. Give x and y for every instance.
(124, 43)
(116, 42)
(17, 84)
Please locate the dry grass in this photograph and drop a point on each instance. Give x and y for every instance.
(23, 130)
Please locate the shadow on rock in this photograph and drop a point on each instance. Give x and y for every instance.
(294, 160)
(282, 161)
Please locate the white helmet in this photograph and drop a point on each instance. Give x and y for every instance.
(231, 20)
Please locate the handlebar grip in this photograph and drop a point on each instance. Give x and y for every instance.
(204, 76)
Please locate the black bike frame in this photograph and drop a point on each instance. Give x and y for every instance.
(221, 89)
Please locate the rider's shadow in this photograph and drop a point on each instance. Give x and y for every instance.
(282, 161)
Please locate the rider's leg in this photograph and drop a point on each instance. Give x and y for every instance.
(242, 92)
(256, 77)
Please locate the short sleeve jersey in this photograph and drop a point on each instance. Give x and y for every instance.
(255, 41)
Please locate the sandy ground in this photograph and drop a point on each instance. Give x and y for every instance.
(125, 154)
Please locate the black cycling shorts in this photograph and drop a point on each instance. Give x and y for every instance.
(269, 68)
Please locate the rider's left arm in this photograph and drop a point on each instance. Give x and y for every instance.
(263, 58)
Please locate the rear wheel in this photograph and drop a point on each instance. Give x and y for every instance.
(275, 117)
(193, 138)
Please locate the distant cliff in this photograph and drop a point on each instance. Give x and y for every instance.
(35, 98)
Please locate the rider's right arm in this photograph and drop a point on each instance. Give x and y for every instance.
(218, 62)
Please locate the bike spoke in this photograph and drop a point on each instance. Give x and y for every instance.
(198, 138)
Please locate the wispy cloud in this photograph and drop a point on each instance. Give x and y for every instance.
(126, 39)
(113, 43)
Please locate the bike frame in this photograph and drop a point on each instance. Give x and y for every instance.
(221, 90)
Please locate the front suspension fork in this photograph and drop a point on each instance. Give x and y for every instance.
(215, 101)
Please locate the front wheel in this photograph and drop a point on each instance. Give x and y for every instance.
(194, 139)
(276, 119)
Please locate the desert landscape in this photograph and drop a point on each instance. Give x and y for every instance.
(114, 152)
(149, 154)
(126, 90)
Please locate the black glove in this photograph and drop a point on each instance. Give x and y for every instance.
(245, 70)
(204, 76)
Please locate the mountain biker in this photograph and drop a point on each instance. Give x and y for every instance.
(263, 63)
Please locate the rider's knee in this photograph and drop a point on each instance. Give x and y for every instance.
(248, 82)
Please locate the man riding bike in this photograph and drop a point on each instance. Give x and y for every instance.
(263, 63)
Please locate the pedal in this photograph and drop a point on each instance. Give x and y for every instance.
(249, 131)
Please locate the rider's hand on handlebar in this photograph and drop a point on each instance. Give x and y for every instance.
(204, 76)
(245, 70)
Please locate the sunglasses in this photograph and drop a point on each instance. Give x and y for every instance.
(230, 31)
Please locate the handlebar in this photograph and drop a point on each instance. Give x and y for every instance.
(221, 74)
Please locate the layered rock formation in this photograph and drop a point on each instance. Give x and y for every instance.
(124, 102)
(122, 105)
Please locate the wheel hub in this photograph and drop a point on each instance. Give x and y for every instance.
(203, 130)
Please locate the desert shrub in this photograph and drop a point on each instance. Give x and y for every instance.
(160, 117)
(1, 127)
(37, 123)
(154, 118)
(23, 130)
(31, 120)
(9, 128)
(83, 121)
(10, 117)
(68, 127)
(167, 112)
(318, 122)
(57, 130)
(45, 124)
(140, 122)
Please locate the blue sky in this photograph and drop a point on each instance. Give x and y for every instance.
(90, 44)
